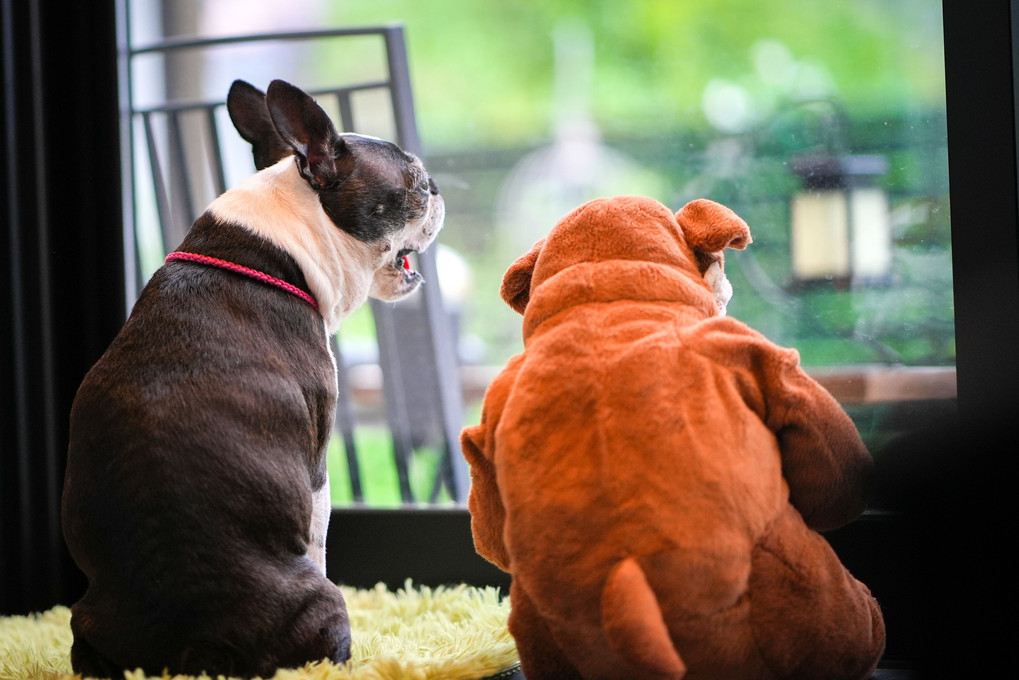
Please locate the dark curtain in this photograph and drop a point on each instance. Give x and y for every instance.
(61, 268)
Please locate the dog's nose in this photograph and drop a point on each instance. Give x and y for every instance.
(432, 186)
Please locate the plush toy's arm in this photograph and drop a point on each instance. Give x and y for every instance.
(484, 503)
(824, 461)
(478, 444)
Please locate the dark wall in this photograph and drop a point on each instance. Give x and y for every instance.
(61, 268)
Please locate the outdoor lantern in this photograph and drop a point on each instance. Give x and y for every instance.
(840, 220)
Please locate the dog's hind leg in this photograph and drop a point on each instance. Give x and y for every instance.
(86, 660)
(319, 628)
(321, 509)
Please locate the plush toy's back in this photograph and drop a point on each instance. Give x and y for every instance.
(651, 472)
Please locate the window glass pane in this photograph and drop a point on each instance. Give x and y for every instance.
(821, 124)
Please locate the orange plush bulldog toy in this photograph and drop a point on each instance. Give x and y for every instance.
(653, 474)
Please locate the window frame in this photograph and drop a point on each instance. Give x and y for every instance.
(982, 156)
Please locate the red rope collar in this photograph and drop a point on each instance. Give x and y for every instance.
(252, 273)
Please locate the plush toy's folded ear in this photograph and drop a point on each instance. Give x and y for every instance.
(516, 282)
(710, 228)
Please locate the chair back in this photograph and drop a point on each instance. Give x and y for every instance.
(178, 161)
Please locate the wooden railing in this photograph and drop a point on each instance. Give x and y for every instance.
(851, 385)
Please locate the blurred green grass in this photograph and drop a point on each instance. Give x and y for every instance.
(378, 474)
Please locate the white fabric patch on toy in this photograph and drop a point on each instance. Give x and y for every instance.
(715, 276)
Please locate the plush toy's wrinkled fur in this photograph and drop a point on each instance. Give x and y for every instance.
(652, 473)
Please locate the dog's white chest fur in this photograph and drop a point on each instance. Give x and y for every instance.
(278, 204)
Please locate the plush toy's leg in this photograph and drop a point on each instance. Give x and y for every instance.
(540, 657)
(810, 617)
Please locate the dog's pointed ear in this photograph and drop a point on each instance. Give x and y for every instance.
(248, 112)
(306, 128)
(516, 282)
(710, 228)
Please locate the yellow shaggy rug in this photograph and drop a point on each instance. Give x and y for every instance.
(416, 633)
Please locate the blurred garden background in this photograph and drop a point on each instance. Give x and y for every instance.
(527, 109)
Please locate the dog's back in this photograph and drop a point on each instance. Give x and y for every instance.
(195, 535)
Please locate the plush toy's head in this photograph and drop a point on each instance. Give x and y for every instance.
(633, 228)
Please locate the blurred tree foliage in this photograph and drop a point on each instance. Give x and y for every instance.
(706, 98)
(484, 71)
